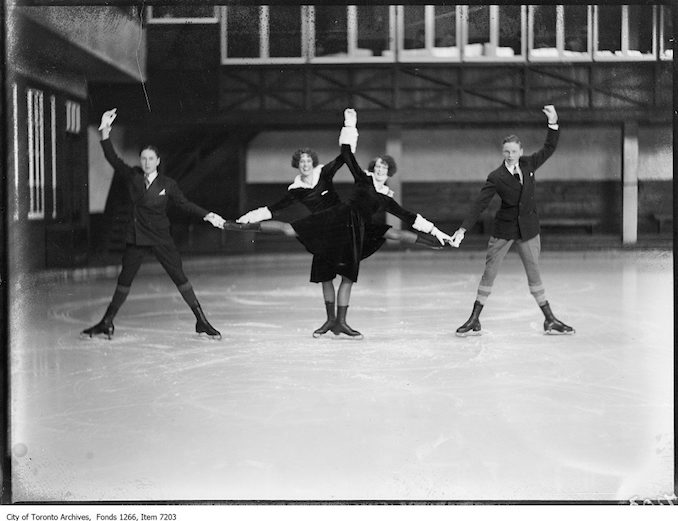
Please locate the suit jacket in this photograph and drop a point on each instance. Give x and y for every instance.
(517, 217)
(148, 223)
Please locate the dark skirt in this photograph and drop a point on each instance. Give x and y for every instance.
(340, 237)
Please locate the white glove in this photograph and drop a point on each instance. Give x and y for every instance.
(350, 118)
(441, 236)
(349, 136)
(457, 237)
(551, 114)
(254, 216)
(215, 220)
(422, 225)
(107, 119)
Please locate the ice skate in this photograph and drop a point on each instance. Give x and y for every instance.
(472, 326)
(104, 327)
(553, 326)
(341, 329)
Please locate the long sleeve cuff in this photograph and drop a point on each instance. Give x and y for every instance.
(553, 126)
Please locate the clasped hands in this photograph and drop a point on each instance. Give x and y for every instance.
(215, 220)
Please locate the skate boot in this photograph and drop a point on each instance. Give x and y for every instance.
(203, 326)
(329, 323)
(553, 326)
(104, 327)
(472, 325)
(342, 328)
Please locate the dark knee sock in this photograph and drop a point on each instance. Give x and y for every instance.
(119, 297)
(188, 295)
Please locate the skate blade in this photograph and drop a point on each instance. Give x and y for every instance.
(470, 333)
(321, 335)
(100, 336)
(344, 336)
(205, 336)
(558, 333)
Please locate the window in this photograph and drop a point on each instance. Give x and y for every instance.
(330, 31)
(559, 32)
(273, 33)
(429, 33)
(297, 34)
(72, 117)
(493, 32)
(182, 14)
(36, 153)
(624, 32)
(666, 28)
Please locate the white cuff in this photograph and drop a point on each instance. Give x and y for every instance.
(553, 126)
(349, 136)
(422, 225)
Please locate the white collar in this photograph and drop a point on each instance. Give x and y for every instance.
(299, 183)
(513, 170)
(383, 189)
(151, 176)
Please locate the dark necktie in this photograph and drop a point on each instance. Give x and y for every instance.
(517, 176)
(147, 181)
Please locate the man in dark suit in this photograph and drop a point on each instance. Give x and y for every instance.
(516, 222)
(148, 230)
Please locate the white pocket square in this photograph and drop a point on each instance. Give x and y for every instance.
(162, 192)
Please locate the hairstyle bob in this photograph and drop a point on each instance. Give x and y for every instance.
(392, 167)
(297, 156)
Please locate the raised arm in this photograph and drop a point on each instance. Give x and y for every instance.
(552, 134)
(109, 152)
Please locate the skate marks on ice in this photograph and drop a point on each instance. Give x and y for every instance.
(410, 412)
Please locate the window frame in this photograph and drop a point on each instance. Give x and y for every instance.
(493, 38)
(264, 47)
(428, 53)
(35, 120)
(352, 39)
(603, 56)
(560, 37)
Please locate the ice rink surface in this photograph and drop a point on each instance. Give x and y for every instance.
(411, 412)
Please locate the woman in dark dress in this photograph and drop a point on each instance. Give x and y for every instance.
(343, 234)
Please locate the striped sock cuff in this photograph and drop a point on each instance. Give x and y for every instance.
(539, 293)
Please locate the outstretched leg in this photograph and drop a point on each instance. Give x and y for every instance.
(272, 227)
(424, 240)
(343, 298)
(131, 262)
(169, 258)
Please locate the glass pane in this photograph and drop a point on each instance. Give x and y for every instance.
(330, 30)
(640, 28)
(445, 26)
(544, 25)
(667, 33)
(187, 11)
(478, 24)
(609, 28)
(510, 31)
(284, 27)
(415, 31)
(373, 29)
(576, 28)
(242, 28)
